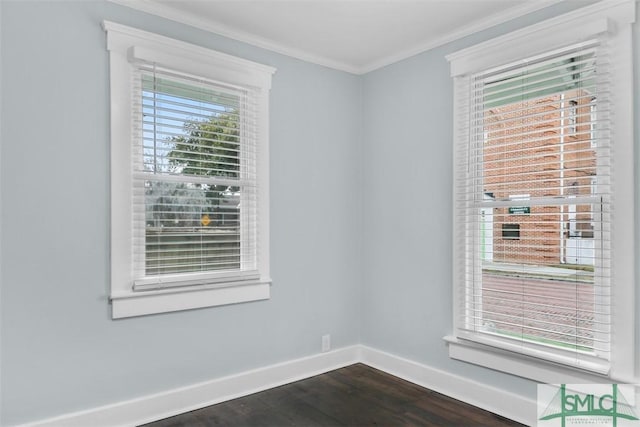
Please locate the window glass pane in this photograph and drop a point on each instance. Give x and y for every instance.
(544, 306)
(511, 231)
(189, 129)
(536, 148)
(191, 228)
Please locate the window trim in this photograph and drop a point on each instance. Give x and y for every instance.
(125, 44)
(616, 18)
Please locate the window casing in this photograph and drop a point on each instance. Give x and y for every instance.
(189, 178)
(528, 107)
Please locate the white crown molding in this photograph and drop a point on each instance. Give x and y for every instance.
(476, 27)
(184, 399)
(163, 11)
(176, 15)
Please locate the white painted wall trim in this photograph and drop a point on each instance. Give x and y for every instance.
(544, 36)
(172, 402)
(177, 15)
(476, 27)
(492, 399)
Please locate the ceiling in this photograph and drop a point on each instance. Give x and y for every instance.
(356, 36)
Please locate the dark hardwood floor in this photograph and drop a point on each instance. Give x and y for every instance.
(357, 395)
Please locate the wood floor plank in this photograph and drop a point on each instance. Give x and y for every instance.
(348, 406)
(356, 395)
(443, 409)
(285, 400)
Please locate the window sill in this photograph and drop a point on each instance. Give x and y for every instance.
(130, 304)
(518, 364)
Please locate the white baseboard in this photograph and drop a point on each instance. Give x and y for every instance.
(166, 404)
(492, 399)
(173, 402)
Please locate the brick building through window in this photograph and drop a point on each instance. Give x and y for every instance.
(543, 147)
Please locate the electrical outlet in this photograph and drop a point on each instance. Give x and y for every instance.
(326, 343)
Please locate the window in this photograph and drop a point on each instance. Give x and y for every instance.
(511, 231)
(189, 178)
(537, 130)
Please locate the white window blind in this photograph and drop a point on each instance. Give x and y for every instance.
(194, 180)
(533, 206)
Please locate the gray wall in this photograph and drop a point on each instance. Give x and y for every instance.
(361, 219)
(61, 352)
